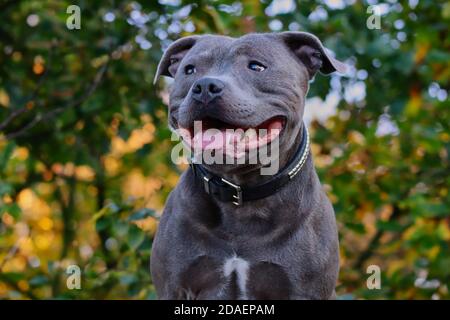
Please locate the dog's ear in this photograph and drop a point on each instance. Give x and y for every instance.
(171, 59)
(310, 51)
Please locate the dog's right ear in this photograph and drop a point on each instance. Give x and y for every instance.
(172, 57)
(310, 51)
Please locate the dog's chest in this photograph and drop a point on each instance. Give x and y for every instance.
(238, 261)
(234, 278)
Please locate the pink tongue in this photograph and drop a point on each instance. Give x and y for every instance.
(210, 139)
(275, 125)
(215, 139)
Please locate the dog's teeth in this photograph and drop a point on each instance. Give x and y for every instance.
(263, 132)
(250, 134)
(241, 135)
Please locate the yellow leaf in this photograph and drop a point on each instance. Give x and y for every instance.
(356, 137)
(20, 153)
(421, 52)
(84, 173)
(444, 231)
(413, 105)
(433, 252)
(4, 98)
(395, 266)
(148, 224)
(99, 214)
(45, 223)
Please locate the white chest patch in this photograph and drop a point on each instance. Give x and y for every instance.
(240, 266)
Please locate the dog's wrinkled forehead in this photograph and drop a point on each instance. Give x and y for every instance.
(209, 49)
(218, 46)
(220, 52)
(287, 47)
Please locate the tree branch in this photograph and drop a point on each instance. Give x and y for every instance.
(49, 115)
(17, 112)
(374, 243)
(14, 285)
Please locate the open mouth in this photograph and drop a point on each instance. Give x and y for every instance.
(210, 133)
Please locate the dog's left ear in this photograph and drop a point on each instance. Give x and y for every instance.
(310, 51)
(171, 59)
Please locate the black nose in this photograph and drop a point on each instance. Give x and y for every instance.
(206, 90)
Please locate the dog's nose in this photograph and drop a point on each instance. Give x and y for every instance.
(207, 89)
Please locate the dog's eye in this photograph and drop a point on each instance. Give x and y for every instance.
(317, 55)
(256, 66)
(189, 69)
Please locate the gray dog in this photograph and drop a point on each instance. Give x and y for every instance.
(228, 232)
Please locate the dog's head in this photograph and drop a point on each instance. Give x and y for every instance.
(258, 81)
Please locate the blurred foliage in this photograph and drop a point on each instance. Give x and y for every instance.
(85, 151)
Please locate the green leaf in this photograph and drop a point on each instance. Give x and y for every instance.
(5, 155)
(5, 188)
(102, 224)
(357, 227)
(438, 56)
(142, 214)
(135, 237)
(13, 209)
(105, 211)
(38, 281)
(389, 226)
(12, 276)
(127, 278)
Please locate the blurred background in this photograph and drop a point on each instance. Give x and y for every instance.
(85, 150)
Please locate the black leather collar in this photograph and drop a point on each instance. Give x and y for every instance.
(227, 191)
